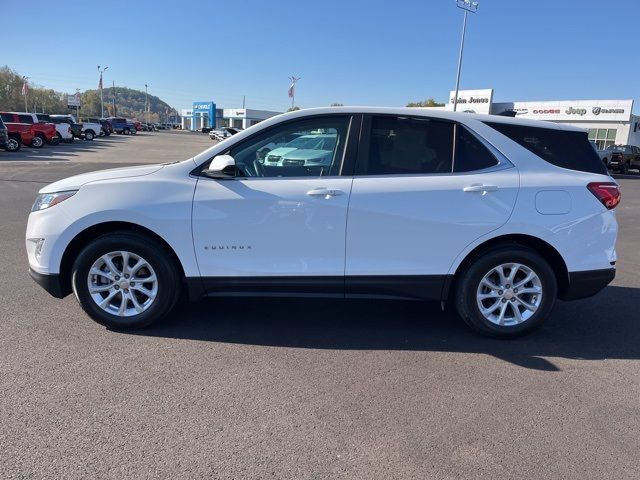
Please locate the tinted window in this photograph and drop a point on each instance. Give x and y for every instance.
(402, 145)
(471, 154)
(271, 154)
(1, 123)
(7, 117)
(25, 118)
(563, 148)
(42, 117)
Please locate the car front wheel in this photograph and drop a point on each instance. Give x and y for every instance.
(125, 280)
(506, 292)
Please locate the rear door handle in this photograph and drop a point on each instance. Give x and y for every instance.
(325, 192)
(481, 188)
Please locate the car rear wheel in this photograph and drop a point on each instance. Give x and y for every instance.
(13, 145)
(125, 280)
(506, 292)
(37, 142)
(89, 135)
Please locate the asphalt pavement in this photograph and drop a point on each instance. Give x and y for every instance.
(305, 389)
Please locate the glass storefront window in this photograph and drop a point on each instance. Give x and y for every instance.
(603, 137)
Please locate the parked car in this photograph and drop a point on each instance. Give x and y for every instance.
(63, 130)
(494, 216)
(221, 133)
(305, 150)
(132, 126)
(624, 157)
(42, 133)
(120, 125)
(4, 136)
(90, 130)
(105, 127)
(76, 128)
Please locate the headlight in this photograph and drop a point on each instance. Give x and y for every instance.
(46, 200)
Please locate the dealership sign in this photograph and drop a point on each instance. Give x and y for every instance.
(73, 101)
(473, 101)
(595, 110)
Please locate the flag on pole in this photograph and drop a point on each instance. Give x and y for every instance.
(25, 88)
(292, 89)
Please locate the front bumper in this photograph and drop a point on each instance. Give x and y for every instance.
(50, 282)
(587, 283)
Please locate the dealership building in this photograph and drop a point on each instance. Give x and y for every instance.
(608, 122)
(206, 115)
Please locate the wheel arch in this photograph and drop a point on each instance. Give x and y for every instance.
(546, 250)
(90, 233)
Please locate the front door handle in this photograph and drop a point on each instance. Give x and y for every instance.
(324, 192)
(481, 188)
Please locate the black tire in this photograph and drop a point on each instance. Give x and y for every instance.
(13, 144)
(89, 135)
(57, 139)
(126, 131)
(465, 295)
(168, 288)
(37, 142)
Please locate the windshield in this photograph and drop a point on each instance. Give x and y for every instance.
(616, 148)
(312, 142)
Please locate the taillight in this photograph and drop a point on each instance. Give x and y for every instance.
(607, 192)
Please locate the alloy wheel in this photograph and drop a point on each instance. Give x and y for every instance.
(122, 283)
(509, 294)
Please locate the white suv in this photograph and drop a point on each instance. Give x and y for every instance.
(494, 216)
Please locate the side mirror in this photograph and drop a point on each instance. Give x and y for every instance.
(221, 167)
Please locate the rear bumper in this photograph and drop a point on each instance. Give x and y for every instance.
(588, 283)
(50, 282)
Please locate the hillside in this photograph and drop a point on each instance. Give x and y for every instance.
(129, 102)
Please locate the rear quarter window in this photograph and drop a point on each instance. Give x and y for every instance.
(562, 148)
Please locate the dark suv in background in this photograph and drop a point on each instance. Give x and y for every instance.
(624, 157)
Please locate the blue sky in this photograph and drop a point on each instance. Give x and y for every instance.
(353, 52)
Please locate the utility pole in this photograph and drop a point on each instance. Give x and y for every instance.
(467, 6)
(292, 90)
(146, 102)
(244, 97)
(113, 91)
(100, 84)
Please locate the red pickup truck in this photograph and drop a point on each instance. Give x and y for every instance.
(41, 133)
(18, 133)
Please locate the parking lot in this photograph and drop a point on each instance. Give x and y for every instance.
(238, 388)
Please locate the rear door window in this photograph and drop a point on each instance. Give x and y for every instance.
(562, 148)
(7, 117)
(407, 146)
(25, 118)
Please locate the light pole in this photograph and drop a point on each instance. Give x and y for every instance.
(101, 99)
(146, 103)
(467, 6)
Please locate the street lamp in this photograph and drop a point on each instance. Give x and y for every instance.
(467, 6)
(100, 85)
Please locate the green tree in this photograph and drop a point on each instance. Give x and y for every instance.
(337, 105)
(293, 109)
(430, 102)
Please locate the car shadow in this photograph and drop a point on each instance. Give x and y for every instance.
(602, 327)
